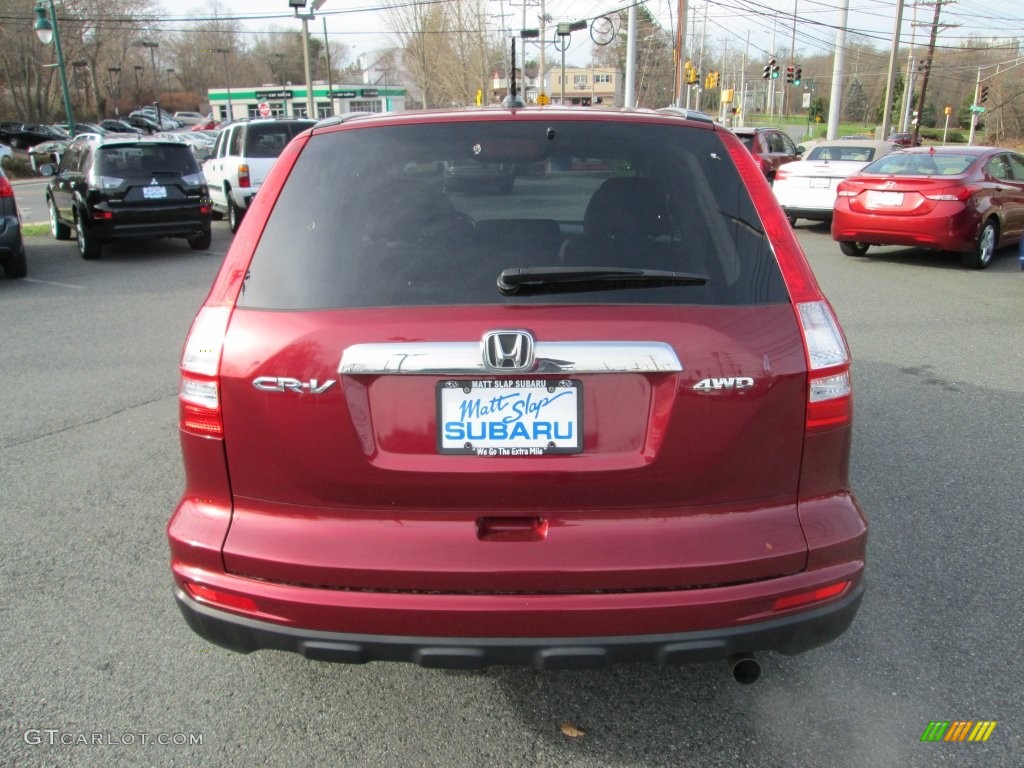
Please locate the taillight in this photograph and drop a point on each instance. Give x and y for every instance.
(780, 174)
(243, 176)
(226, 599)
(845, 190)
(814, 596)
(199, 395)
(829, 391)
(6, 190)
(951, 194)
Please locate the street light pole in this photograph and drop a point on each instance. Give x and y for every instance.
(152, 46)
(306, 18)
(47, 31)
(115, 91)
(170, 71)
(227, 80)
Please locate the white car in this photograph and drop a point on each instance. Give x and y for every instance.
(6, 155)
(806, 189)
(189, 118)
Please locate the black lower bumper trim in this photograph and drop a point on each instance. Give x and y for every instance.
(788, 635)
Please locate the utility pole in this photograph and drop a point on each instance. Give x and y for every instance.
(792, 60)
(700, 59)
(927, 71)
(771, 80)
(908, 87)
(887, 106)
(836, 97)
(680, 51)
(741, 110)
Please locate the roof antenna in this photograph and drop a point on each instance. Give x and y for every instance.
(512, 99)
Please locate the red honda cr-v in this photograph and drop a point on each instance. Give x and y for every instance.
(601, 416)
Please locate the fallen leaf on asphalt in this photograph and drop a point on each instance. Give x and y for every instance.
(572, 731)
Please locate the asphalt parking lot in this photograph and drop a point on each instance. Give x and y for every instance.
(99, 668)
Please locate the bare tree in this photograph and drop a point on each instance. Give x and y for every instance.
(419, 29)
(198, 53)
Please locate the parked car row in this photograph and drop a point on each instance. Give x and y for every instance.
(25, 135)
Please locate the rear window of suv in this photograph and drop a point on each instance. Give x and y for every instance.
(269, 139)
(369, 217)
(123, 159)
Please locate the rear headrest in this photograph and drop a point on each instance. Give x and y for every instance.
(401, 211)
(627, 208)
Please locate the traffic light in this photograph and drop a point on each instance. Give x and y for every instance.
(690, 74)
(775, 68)
(767, 71)
(984, 94)
(789, 75)
(798, 75)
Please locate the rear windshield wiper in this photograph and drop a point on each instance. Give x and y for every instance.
(531, 280)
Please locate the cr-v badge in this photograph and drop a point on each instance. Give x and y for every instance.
(286, 384)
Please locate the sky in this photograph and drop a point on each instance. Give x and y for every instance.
(358, 25)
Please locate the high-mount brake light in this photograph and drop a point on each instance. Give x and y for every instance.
(829, 390)
(199, 396)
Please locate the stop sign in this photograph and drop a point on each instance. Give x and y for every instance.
(264, 109)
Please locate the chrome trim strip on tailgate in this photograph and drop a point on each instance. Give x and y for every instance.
(457, 358)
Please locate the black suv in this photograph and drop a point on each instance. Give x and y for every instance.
(116, 188)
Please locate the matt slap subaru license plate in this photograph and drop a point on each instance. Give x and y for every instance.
(510, 417)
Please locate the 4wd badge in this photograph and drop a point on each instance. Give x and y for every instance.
(727, 382)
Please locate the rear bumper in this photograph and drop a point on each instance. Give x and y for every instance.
(951, 229)
(128, 224)
(242, 196)
(814, 214)
(790, 633)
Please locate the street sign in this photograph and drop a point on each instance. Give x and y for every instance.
(976, 108)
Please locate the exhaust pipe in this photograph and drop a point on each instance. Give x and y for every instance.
(745, 669)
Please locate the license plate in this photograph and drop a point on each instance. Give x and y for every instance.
(509, 417)
(821, 183)
(884, 199)
(154, 193)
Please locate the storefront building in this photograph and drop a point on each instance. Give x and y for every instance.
(291, 101)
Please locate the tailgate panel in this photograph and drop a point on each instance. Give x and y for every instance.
(682, 475)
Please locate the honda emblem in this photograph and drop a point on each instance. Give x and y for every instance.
(508, 350)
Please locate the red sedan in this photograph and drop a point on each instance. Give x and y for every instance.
(969, 200)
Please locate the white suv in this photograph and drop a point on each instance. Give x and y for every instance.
(241, 159)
